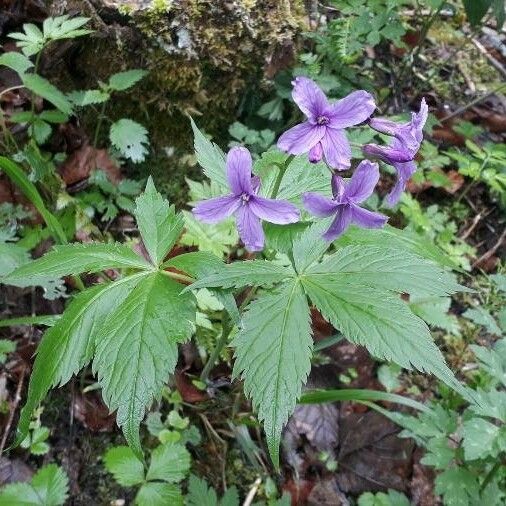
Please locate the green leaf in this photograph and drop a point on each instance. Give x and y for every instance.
(137, 348)
(16, 61)
(42, 87)
(458, 486)
(20, 179)
(53, 116)
(403, 240)
(6, 346)
(159, 494)
(11, 257)
(47, 320)
(385, 268)
(200, 493)
(381, 322)
(170, 462)
(273, 356)
(480, 316)
(434, 311)
(130, 139)
(231, 498)
(360, 395)
(476, 9)
(199, 264)
(83, 98)
(126, 468)
(247, 273)
(49, 487)
(124, 80)
(68, 346)
(217, 239)
(73, 259)
(490, 404)
(159, 224)
(40, 131)
(493, 361)
(61, 27)
(309, 246)
(479, 437)
(210, 157)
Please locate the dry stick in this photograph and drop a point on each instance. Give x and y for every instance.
(17, 398)
(491, 251)
(464, 108)
(483, 50)
(252, 492)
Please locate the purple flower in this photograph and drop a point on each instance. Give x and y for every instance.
(401, 152)
(244, 202)
(344, 205)
(322, 135)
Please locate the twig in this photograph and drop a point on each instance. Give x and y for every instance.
(17, 398)
(475, 222)
(491, 251)
(495, 63)
(252, 493)
(464, 108)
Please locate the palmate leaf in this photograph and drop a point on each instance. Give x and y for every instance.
(126, 468)
(69, 345)
(386, 268)
(248, 273)
(124, 80)
(273, 356)
(75, 258)
(155, 493)
(381, 322)
(170, 462)
(158, 223)
(137, 348)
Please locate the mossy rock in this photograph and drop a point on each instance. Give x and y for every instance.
(202, 57)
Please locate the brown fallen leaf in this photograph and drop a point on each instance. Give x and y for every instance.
(91, 411)
(79, 165)
(189, 392)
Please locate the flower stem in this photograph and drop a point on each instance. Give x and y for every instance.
(226, 328)
(281, 173)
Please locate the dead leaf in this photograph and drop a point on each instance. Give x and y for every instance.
(189, 392)
(371, 456)
(421, 485)
(79, 165)
(91, 411)
(327, 493)
(14, 470)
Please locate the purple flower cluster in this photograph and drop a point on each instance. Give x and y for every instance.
(322, 136)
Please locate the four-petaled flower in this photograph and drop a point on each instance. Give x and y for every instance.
(401, 152)
(344, 205)
(244, 202)
(323, 132)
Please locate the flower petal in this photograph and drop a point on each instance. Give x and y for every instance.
(351, 110)
(404, 172)
(389, 154)
(316, 153)
(239, 165)
(318, 205)
(338, 186)
(336, 149)
(301, 138)
(274, 211)
(250, 229)
(384, 125)
(419, 119)
(309, 97)
(217, 209)
(363, 181)
(340, 223)
(367, 219)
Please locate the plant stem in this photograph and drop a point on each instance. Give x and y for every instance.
(178, 277)
(225, 332)
(281, 173)
(99, 124)
(491, 475)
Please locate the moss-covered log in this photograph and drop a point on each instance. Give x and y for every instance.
(202, 57)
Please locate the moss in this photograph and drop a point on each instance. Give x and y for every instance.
(201, 55)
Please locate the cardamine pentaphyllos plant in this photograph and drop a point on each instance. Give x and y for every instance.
(307, 254)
